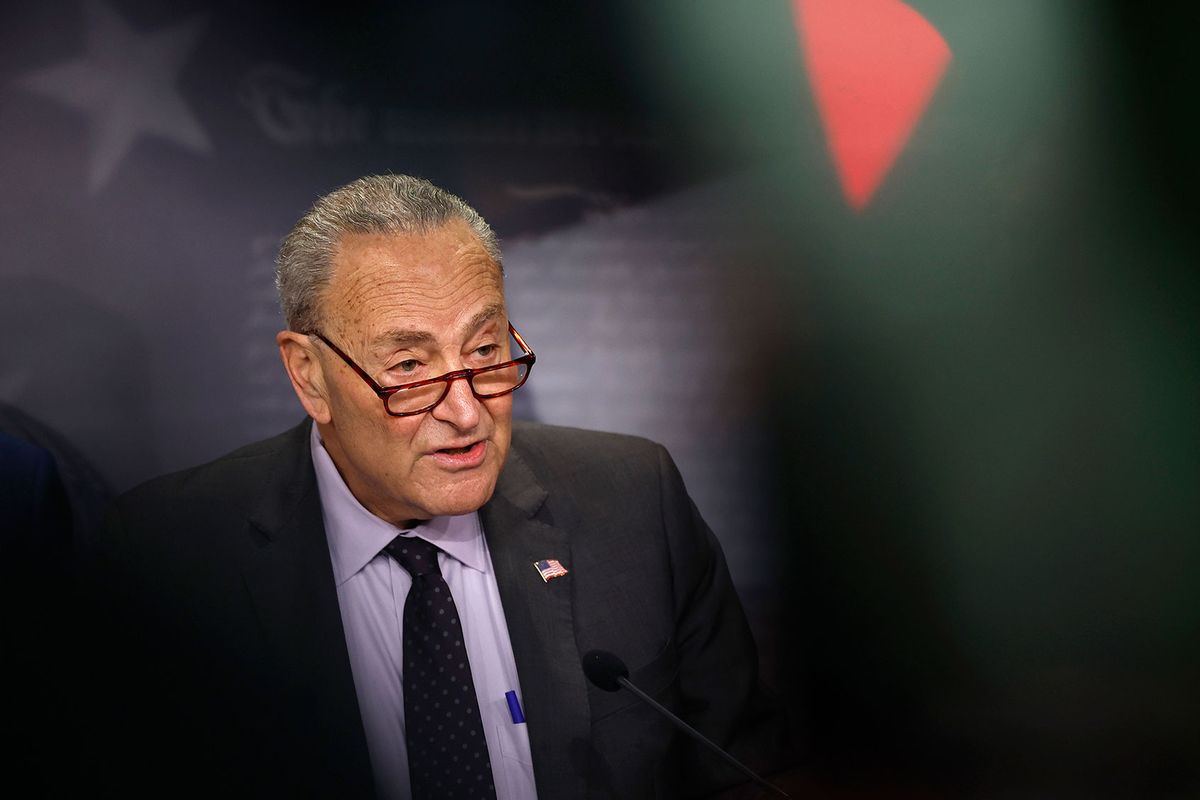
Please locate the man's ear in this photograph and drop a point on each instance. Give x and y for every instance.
(307, 375)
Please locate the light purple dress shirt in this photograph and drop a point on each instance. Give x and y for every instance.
(371, 589)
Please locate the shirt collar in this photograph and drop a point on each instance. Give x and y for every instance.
(356, 536)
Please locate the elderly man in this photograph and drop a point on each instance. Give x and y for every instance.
(393, 598)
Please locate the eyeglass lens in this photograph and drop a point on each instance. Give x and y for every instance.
(486, 384)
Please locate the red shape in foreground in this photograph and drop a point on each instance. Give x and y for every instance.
(873, 65)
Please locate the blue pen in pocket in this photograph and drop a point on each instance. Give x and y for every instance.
(514, 707)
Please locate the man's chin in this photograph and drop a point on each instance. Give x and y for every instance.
(466, 500)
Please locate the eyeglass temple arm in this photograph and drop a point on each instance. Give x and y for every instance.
(379, 390)
(520, 339)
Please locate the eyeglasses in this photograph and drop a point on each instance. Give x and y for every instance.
(409, 399)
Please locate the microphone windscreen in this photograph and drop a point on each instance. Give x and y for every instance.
(603, 669)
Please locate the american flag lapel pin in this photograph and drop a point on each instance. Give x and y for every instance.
(549, 569)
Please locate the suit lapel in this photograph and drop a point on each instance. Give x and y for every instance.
(290, 578)
(541, 627)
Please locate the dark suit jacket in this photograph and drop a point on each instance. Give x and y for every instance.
(218, 580)
(35, 533)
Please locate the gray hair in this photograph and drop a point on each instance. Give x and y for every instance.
(375, 204)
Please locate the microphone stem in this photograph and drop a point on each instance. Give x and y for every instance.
(698, 736)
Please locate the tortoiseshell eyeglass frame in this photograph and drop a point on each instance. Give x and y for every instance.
(385, 392)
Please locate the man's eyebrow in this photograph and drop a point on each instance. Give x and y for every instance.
(486, 315)
(408, 337)
(403, 337)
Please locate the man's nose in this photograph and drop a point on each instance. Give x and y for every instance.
(459, 407)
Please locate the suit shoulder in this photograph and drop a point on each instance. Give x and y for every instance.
(233, 479)
(589, 456)
(556, 442)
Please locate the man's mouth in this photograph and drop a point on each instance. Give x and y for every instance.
(470, 455)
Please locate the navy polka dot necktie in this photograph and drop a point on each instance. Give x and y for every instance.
(447, 753)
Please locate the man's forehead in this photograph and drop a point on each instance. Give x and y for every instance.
(454, 241)
(414, 288)
(415, 335)
(411, 264)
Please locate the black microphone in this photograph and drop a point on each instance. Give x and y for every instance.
(609, 673)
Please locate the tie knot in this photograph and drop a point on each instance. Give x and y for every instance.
(417, 556)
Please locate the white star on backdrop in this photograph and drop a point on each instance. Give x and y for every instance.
(125, 83)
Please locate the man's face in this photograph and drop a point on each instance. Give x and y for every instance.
(407, 307)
